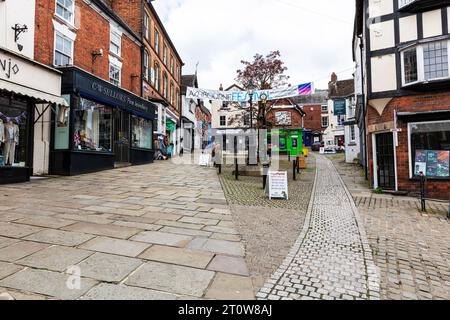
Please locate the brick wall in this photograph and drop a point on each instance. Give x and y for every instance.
(130, 12)
(426, 102)
(92, 32)
(313, 118)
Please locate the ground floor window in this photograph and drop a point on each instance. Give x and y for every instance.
(92, 127)
(142, 133)
(13, 133)
(430, 148)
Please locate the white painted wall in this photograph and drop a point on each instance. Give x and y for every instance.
(352, 147)
(384, 76)
(432, 23)
(41, 152)
(380, 7)
(382, 35)
(408, 28)
(21, 12)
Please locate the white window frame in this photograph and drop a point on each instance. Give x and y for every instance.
(147, 26)
(72, 12)
(410, 155)
(420, 64)
(352, 133)
(157, 42)
(328, 121)
(147, 64)
(220, 121)
(71, 49)
(112, 65)
(165, 88)
(322, 108)
(165, 53)
(111, 42)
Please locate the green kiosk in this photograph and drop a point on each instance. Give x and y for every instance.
(290, 141)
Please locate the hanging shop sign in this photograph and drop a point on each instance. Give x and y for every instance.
(277, 187)
(339, 107)
(242, 96)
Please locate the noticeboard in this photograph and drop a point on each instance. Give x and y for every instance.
(277, 186)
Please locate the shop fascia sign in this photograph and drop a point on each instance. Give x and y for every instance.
(8, 67)
(109, 92)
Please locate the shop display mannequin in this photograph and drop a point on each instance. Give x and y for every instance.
(2, 140)
(11, 139)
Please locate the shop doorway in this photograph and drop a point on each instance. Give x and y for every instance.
(121, 138)
(385, 160)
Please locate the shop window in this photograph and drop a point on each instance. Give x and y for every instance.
(92, 127)
(63, 50)
(65, 10)
(142, 133)
(13, 133)
(115, 43)
(114, 74)
(62, 125)
(430, 148)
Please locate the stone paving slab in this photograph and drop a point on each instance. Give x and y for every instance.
(4, 242)
(46, 282)
(13, 230)
(184, 257)
(7, 269)
(107, 267)
(47, 222)
(115, 246)
(171, 278)
(19, 250)
(107, 291)
(230, 287)
(229, 264)
(65, 238)
(217, 246)
(156, 237)
(103, 230)
(55, 258)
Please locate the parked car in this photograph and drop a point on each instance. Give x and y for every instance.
(316, 146)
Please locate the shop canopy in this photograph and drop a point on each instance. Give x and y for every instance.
(40, 97)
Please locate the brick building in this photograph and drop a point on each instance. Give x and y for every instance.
(161, 65)
(108, 123)
(402, 81)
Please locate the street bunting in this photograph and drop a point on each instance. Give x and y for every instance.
(242, 96)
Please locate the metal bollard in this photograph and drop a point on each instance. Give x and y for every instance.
(266, 167)
(423, 192)
(295, 169)
(448, 214)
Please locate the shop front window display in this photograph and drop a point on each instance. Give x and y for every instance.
(430, 145)
(142, 133)
(13, 133)
(92, 127)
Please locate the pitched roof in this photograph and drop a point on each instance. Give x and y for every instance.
(189, 80)
(341, 88)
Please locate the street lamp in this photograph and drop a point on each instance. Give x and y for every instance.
(251, 91)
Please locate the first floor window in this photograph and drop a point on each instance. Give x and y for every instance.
(430, 148)
(324, 109)
(410, 63)
(165, 85)
(324, 122)
(114, 74)
(157, 76)
(172, 94)
(246, 120)
(92, 127)
(223, 121)
(115, 43)
(63, 50)
(340, 120)
(435, 60)
(146, 65)
(142, 131)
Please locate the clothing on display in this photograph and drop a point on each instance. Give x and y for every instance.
(11, 138)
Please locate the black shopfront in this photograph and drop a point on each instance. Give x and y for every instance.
(104, 127)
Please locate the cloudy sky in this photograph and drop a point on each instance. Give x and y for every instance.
(314, 37)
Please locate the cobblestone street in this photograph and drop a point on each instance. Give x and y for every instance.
(411, 249)
(331, 258)
(167, 233)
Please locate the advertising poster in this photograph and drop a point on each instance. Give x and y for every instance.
(433, 163)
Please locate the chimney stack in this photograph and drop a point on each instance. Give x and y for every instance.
(221, 87)
(334, 77)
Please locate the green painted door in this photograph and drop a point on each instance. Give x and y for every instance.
(295, 142)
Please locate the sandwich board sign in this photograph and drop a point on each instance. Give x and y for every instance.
(277, 186)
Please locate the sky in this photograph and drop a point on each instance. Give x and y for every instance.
(314, 37)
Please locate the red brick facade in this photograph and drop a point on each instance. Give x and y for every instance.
(92, 34)
(313, 118)
(296, 116)
(428, 102)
